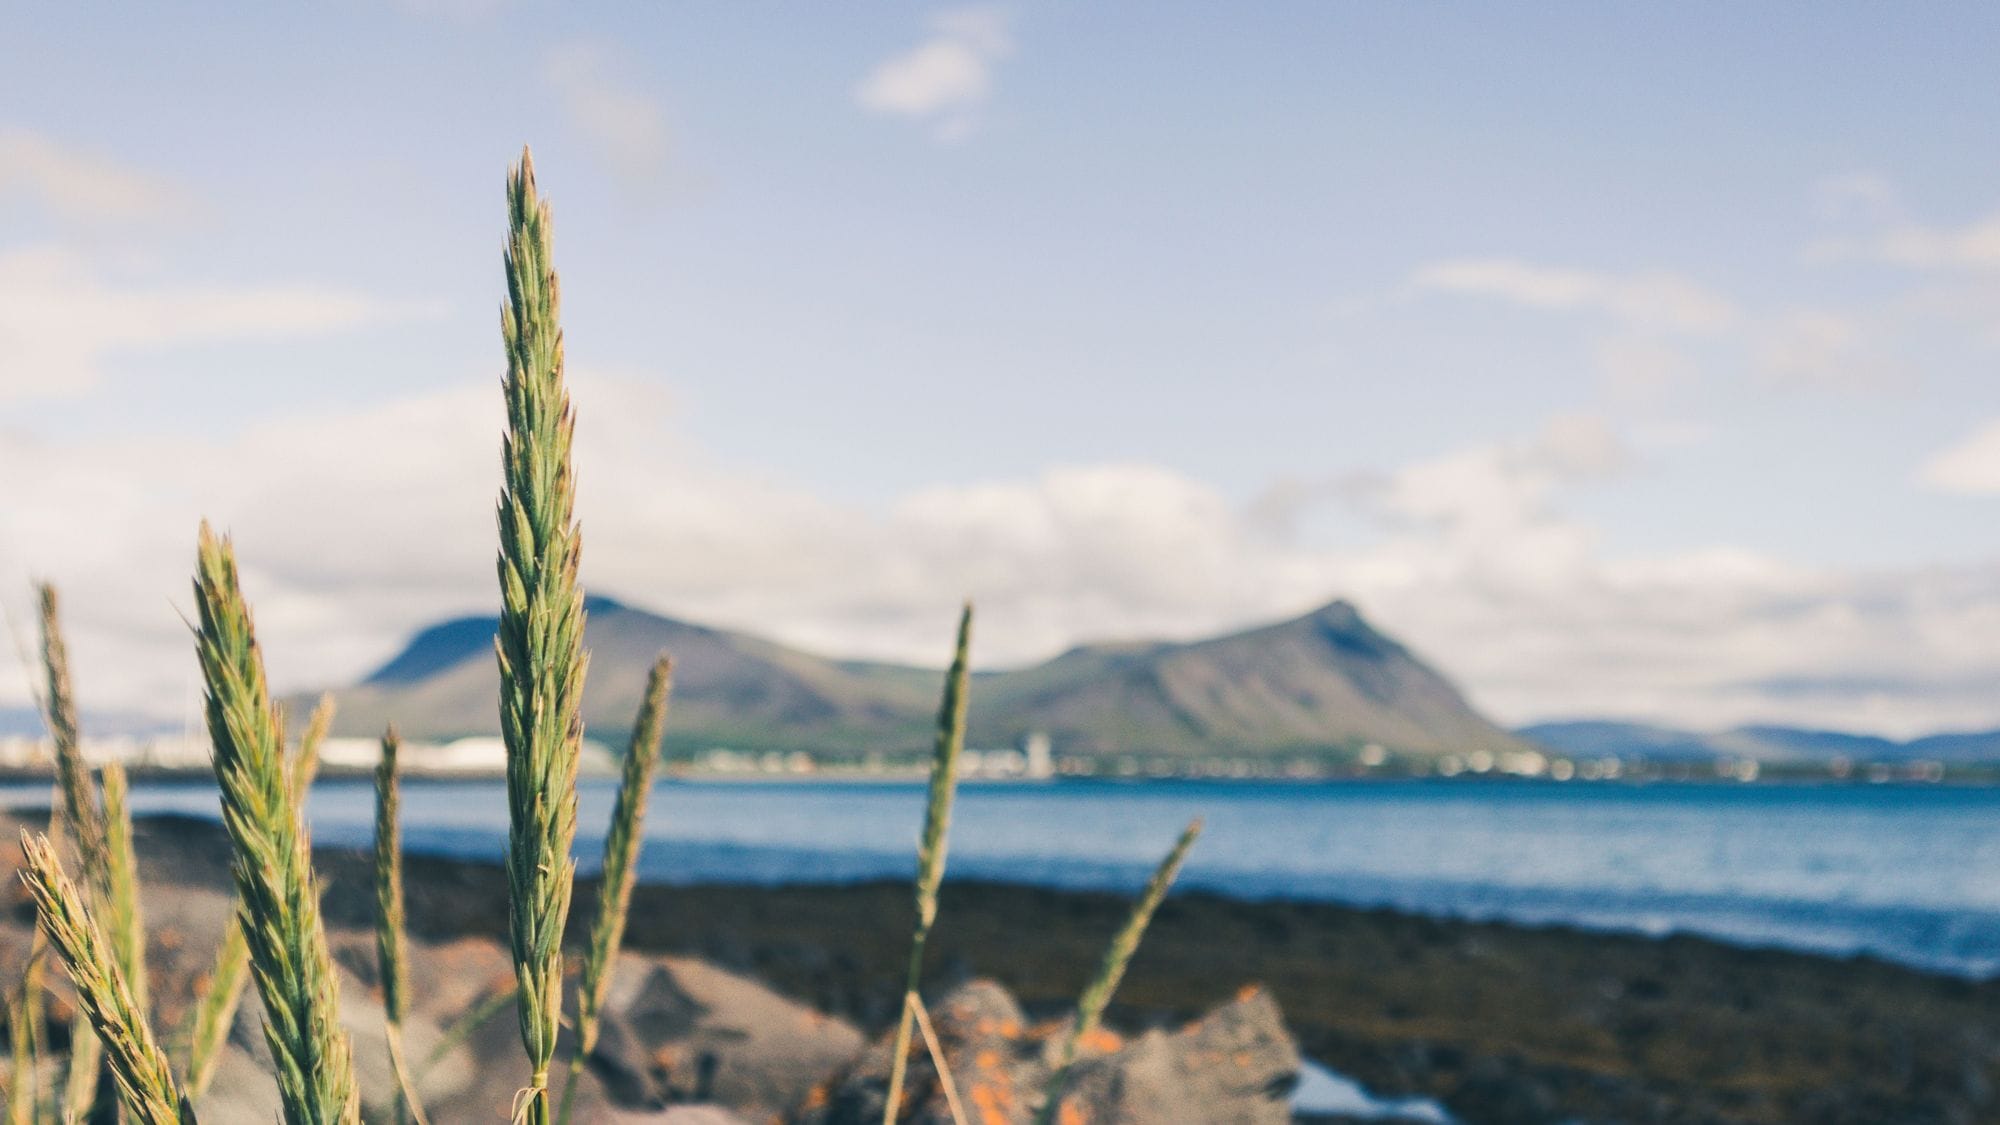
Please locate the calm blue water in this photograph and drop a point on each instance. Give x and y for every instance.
(1907, 873)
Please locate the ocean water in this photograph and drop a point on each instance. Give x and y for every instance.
(1906, 873)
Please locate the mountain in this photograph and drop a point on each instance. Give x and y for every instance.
(1327, 681)
(1596, 738)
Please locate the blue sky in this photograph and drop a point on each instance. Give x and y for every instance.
(1627, 360)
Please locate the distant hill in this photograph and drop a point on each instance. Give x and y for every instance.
(1327, 681)
(1592, 738)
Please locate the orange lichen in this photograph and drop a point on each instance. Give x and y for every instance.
(1101, 1041)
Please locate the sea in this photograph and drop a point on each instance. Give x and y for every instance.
(1906, 873)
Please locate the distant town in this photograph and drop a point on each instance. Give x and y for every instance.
(1036, 759)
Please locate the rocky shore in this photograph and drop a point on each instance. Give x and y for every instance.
(765, 1004)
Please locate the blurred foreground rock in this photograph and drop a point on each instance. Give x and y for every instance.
(1235, 1065)
(683, 1041)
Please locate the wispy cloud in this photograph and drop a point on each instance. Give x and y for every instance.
(627, 127)
(60, 319)
(1971, 466)
(1874, 225)
(1652, 300)
(948, 78)
(1824, 349)
(82, 186)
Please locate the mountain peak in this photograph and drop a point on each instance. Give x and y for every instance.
(1324, 682)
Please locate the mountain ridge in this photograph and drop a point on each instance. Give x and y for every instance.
(1324, 683)
(1765, 743)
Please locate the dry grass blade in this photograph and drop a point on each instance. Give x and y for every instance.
(463, 1028)
(915, 1005)
(936, 839)
(215, 1008)
(540, 641)
(145, 1082)
(389, 952)
(1090, 1005)
(276, 892)
(621, 869)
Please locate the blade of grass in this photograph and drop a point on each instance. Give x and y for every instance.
(461, 1030)
(215, 1010)
(915, 1005)
(1097, 994)
(82, 806)
(145, 1081)
(389, 950)
(86, 1092)
(272, 857)
(120, 909)
(26, 1034)
(936, 839)
(540, 641)
(621, 871)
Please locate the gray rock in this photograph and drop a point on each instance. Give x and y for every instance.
(678, 1030)
(1236, 1065)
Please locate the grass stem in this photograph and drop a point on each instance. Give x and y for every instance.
(540, 641)
(620, 873)
(277, 893)
(931, 850)
(1096, 995)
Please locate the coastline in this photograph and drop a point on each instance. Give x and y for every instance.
(1499, 1022)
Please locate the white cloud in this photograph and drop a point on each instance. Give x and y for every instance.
(1875, 226)
(945, 80)
(1651, 300)
(60, 319)
(79, 185)
(1975, 246)
(1820, 348)
(628, 128)
(1972, 466)
(357, 528)
(1850, 196)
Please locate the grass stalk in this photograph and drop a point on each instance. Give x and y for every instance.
(277, 894)
(1096, 995)
(463, 1028)
(26, 1034)
(145, 1081)
(82, 807)
(540, 641)
(120, 909)
(390, 954)
(620, 873)
(85, 1093)
(215, 1009)
(915, 1005)
(931, 851)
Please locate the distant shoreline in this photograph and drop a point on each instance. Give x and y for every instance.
(1981, 775)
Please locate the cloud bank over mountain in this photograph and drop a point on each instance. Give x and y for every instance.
(355, 528)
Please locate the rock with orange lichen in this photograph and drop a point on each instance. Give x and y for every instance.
(680, 1030)
(1237, 1064)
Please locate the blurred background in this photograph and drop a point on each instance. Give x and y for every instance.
(1628, 363)
(1455, 450)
